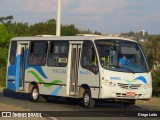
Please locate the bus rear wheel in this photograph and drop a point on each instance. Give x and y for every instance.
(35, 96)
(88, 102)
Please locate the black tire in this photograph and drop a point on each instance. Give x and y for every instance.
(88, 102)
(36, 97)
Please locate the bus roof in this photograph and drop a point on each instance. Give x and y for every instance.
(78, 38)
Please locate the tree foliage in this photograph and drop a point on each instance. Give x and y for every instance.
(6, 20)
(151, 48)
(69, 30)
(136, 35)
(4, 36)
(152, 51)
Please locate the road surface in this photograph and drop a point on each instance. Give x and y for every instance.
(58, 109)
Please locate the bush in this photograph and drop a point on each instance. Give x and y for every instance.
(156, 83)
(4, 42)
(3, 63)
(3, 76)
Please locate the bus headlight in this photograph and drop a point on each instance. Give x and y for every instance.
(112, 84)
(109, 83)
(106, 81)
(147, 86)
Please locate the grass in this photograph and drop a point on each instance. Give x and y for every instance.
(152, 104)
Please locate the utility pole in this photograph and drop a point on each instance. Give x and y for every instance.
(58, 26)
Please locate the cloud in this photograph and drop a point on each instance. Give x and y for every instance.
(102, 15)
(42, 6)
(95, 7)
(91, 11)
(156, 16)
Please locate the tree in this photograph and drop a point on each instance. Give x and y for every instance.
(97, 33)
(18, 29)
(153, 56)
(43, 28)
(6, 20)
(4, 42)
(5, 36)
(69, 30)
(154, 45)
(131, 34)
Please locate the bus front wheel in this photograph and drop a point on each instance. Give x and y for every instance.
(88, 102)
(35, 96)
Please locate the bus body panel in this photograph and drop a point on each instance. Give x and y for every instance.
(13, 75)
(51, 80)
(87, 77)
(14, 72)
(119, 84)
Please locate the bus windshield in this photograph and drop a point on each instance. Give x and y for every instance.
(122, 56)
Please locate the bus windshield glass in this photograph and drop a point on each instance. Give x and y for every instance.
(122, 56)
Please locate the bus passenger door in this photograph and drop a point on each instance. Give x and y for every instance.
(23, 59)
(75, 56)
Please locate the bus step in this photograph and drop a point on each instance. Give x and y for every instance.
(21, 91)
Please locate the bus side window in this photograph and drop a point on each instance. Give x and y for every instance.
(89, 58)
(38, 53)
(13, 51)
(58, 54)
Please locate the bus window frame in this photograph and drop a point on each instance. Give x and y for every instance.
(93, 69)
(49, 53)
(46, 53)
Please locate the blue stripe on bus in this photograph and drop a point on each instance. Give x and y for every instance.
(38, 69)
(141, 78)
(14, 70)
(55, 92)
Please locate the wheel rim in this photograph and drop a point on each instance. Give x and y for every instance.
(86, 99)
(35, 94)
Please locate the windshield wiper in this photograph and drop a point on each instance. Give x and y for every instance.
(128, 69)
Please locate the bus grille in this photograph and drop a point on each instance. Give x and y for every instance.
(123, 95)
(129, 86)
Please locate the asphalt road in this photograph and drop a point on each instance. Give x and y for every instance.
(58, 109)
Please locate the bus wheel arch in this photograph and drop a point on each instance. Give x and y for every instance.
(35, 95)
(85, 94)
(82, 90)
(32, 84)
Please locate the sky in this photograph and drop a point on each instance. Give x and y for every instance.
(105, 16)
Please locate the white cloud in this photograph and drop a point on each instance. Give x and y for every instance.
(96, 6)
(106, 14)
(81, 6)
(43, 6)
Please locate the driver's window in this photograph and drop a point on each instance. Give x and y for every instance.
(89, 58)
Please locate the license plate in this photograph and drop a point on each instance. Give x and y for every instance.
(130, 94)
